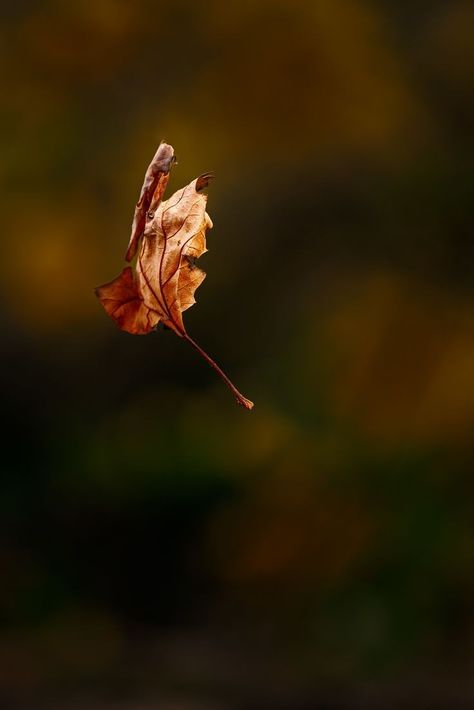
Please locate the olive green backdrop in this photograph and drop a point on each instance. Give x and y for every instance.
(161, 547)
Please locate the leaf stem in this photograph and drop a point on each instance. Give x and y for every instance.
(243, 401)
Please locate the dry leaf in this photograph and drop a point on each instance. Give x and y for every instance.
(168, 237)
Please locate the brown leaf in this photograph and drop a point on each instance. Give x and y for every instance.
(168, 237)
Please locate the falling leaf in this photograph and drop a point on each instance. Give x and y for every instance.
(167, 237)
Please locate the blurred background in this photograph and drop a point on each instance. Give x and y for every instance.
(160, 547)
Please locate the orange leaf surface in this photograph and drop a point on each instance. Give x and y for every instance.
(168, 237)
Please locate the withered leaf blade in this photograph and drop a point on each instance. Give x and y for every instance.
(173, 239)
(123, 302)
(153, 189)
(168, 236)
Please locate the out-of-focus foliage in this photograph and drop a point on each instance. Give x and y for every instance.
(157, 544)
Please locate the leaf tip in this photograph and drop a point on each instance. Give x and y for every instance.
(203, 181)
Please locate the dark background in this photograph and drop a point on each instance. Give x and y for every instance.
(160, 547)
